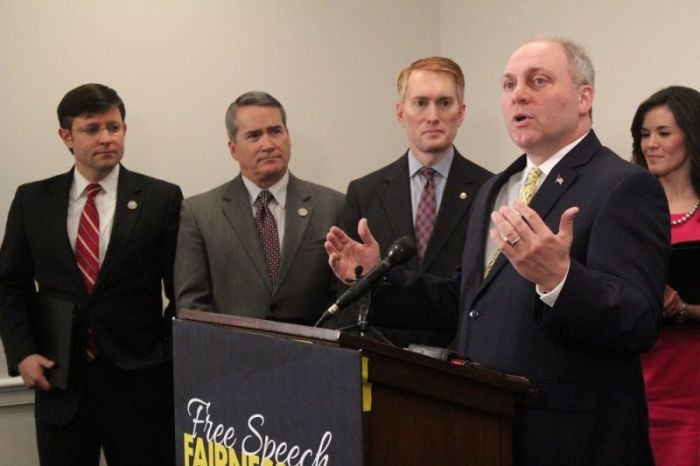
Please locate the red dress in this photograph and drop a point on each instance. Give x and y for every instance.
(672, 380)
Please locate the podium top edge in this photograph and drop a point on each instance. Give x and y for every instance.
(250, 323)
(349, 340)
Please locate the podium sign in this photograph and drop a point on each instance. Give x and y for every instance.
(247, 399)
(252, 392)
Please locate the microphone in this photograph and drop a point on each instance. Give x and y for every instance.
(399, 252)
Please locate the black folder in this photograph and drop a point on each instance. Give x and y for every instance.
(683, 273)
(52, 321)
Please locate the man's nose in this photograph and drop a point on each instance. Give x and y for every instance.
(266, 142)
(432, 111)
(104, 136)
(520, 92)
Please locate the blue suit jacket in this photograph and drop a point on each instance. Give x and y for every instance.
(583, 352)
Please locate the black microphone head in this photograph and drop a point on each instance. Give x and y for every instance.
(401, 251)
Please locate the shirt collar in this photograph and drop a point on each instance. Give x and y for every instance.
(108, 183)
(278, 190)
(548, 164)
(442, 166)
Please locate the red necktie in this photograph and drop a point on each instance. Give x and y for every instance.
(267, 231)
(425, 214)
(87, 253)
(87, 244)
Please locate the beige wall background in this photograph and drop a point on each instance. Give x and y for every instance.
(177, 64)
(637, 47)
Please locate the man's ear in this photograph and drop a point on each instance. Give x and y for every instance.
(462, 114)
(232, 150)
(399, 114)
(585, 98)
(67, 138)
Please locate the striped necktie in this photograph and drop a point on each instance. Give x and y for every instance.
(87, 254)
(527, 192)
(87, 244)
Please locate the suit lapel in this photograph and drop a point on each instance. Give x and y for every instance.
(130, 204)
(560, 178)
(55, 208)
(299, 211)
(395, 198)
(452, 207)
(238, 212)
(517, 166)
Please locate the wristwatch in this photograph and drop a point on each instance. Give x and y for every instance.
(683, 315)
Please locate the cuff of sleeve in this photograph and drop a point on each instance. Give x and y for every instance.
(550, 297)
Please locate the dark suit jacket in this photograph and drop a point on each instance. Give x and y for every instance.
(125, 309)
(384, 198)
(220, 264)
(583, 352)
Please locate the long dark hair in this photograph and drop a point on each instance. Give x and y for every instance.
(684, 103)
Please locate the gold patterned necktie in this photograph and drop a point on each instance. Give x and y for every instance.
(527, 192)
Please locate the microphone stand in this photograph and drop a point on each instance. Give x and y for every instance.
(362, 325)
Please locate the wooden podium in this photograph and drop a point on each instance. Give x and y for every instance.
(379, 404)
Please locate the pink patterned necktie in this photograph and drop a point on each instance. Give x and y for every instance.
(267, 232)
(425, 214)
(87, 254)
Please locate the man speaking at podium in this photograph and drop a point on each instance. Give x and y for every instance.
(563, 272)
(254, 245)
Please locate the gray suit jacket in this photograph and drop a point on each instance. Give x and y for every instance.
(220, 264)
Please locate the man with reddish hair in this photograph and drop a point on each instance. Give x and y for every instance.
(431, 108)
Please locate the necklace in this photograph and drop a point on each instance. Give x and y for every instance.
(686, 217)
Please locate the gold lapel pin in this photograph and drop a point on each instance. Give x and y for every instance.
(132, 205)
(559, 180)
(462, 195)
(302, 212)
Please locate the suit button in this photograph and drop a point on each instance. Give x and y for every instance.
(473, 314)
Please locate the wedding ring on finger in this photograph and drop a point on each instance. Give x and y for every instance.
(513, 242)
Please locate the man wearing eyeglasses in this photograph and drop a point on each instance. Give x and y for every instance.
(99, 239)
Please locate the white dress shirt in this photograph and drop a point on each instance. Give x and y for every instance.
(277, 205)
(510, 192)
(105, 201)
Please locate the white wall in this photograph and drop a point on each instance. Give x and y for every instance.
(178, 65)
(333, 64)
(637, 47)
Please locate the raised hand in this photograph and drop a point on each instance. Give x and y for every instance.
(345, 254)
(538, 254)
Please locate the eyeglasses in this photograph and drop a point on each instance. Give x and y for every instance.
(95, 130)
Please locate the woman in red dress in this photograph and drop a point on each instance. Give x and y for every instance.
(666, 140)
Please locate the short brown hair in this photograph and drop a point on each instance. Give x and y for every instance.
(88, 99)
(440, 64)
